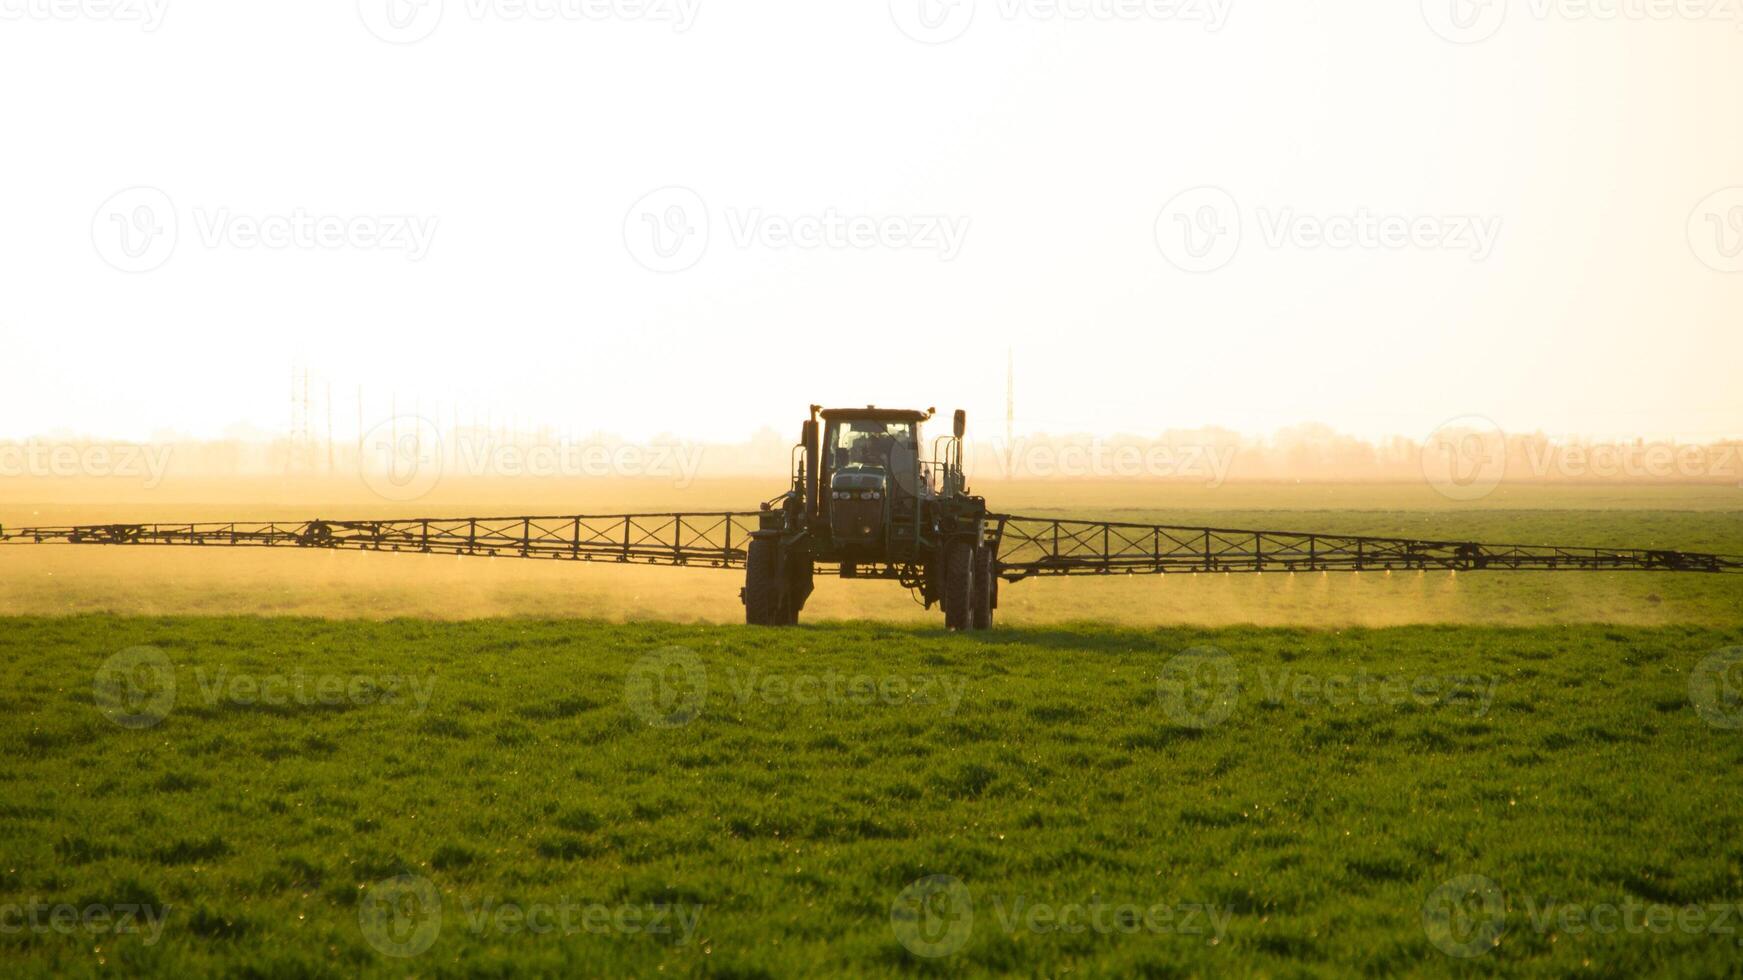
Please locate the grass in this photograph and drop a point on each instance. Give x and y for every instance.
(787, 789)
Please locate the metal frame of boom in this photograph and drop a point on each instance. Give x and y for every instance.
(1030, 546)
(1027, 547)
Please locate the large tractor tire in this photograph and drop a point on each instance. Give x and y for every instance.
(959, 585)
(983, 601)
(764, 590)
(798, 573)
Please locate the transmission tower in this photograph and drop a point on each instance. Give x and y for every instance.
(1010, 410)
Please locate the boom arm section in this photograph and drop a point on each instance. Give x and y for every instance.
(1025, 546)
(707, 540)
(1030, 546)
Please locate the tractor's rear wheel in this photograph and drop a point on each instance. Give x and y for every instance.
(764, 591)
(958, 585)
(981, 612)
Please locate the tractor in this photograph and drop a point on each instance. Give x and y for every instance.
(865, 503)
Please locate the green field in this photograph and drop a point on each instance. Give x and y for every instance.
(294, 797)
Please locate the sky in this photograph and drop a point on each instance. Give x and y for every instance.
(696, 218)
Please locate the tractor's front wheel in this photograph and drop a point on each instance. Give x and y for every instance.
(981, 612)
(764, 591)
(959, 585)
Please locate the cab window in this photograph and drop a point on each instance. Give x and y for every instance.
(868, 445)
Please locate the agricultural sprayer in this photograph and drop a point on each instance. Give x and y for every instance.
(867, 502)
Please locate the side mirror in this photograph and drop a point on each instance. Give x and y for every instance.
(961, 425)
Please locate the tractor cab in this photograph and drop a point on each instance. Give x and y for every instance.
(870, 479)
